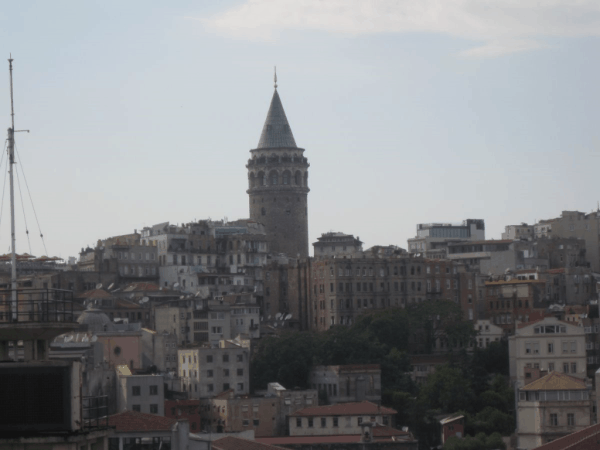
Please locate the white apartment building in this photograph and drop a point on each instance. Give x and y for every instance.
(549, 345)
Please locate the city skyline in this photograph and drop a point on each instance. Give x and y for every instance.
(401, 126)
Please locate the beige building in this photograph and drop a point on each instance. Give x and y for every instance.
(206, 372)
(344, 418)
(336, 244)
(266, 415)
(487, 333)
(575, 224)
(548, 344)
(551, 407)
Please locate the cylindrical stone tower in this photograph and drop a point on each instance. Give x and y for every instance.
(278, 185)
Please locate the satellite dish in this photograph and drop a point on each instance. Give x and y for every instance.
(278, 315)
(85, 338)
(275, 325)
(131, 296)
(176, 285)
(111, 286)
(182, 297)
(144, 300)
(94, 338)
(99, 286)
(269, 318)
(69, 338)
(288, 317)
(197, 294)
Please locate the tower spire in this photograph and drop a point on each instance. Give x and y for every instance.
(275, 77)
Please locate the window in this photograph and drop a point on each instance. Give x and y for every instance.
(136, 408)
(135, 390)
(255, 422)
(335, 421)
(225, 386)
(225, 358)
(240, 372)
(310, 422)
(573, 367)
(550, 367)
(153, 409)
(566, 367)
(298, 422)
(571, 419)
(209, 358)
(154, 389)
(553, 420)
(359, 420)
(245, 422)
(550, 347)
(239, 358)
(210, 387)
(225, 372)
(209, 373)
(240, 386)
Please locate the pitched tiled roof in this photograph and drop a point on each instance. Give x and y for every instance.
(556, 381)
(580, 440)
(136, 421)
(96, 293)
(235, 443)
(345, 409)
(276, 130)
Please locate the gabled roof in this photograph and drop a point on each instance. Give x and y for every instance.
(556, 381)
(345, 409)
(136, 421)
(276, 130)
(235, 443)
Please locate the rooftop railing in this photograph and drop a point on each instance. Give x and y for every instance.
(36, 305)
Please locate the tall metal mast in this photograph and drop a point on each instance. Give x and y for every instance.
(11, 158)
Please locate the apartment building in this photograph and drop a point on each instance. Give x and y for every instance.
(548, 344)
(206, 372)
(551, 407)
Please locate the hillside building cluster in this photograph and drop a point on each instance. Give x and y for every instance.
(163, 321)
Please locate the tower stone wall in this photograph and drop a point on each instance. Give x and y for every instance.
(278, 185)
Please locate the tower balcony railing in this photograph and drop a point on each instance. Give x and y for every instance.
(36, 305)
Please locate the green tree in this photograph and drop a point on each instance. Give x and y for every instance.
(448, 390)
(286, 359)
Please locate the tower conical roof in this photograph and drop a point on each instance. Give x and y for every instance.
(276, 131)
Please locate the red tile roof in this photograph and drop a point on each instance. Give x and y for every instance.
(96, 293)
(136, 421)
(585, 439)
(291, 440)
(345, 409)
(235, 443)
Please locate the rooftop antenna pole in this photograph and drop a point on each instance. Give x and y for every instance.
(275, 78)
(11, 157)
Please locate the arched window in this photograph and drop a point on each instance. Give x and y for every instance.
(298, 179)
(274, 178)
(306, 179)
(261, 179)
(286, 178)
(252, 180)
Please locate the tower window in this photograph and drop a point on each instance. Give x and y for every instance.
(263, 211)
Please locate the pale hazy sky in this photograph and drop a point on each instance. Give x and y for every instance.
(410, 111)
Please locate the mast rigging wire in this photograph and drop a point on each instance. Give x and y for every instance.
(31, 200)
(23, 207)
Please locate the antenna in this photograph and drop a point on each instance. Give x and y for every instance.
(274, 78)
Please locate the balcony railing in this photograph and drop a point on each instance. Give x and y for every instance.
(36, 305)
